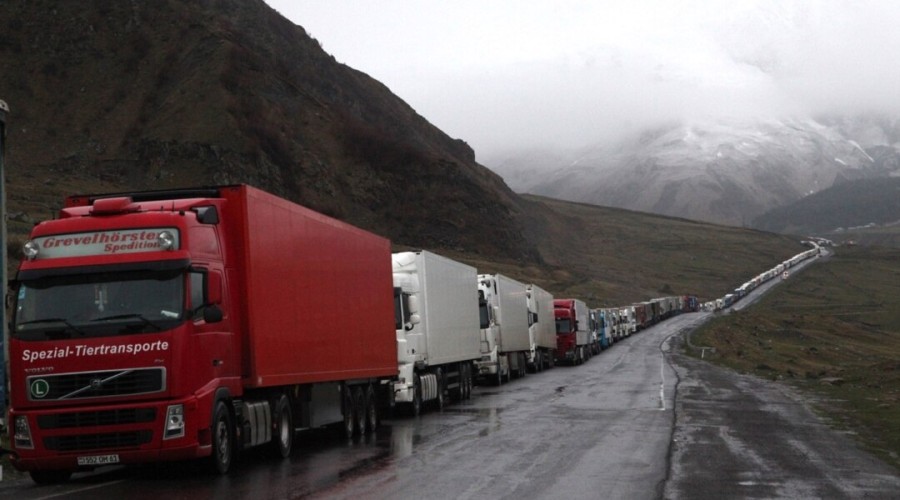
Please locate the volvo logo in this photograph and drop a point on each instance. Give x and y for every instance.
(96, 383)
(40, 388)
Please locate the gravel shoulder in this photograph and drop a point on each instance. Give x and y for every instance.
(739, 436)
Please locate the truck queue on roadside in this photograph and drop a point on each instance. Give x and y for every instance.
(191, 324)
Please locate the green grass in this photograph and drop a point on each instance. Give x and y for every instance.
(832, 330)
(612, 257)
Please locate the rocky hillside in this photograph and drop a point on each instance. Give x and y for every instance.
(111, 95)
(852, 204)
(723, 172)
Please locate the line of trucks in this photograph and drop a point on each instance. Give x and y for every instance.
(195, 323)
(782, 270)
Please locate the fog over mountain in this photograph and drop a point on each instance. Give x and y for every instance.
(721, 171)
(675, 107)
(506, 75)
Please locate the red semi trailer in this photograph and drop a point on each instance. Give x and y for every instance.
(573, 335)
(170, 325)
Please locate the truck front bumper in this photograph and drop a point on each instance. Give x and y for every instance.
(86, 437)
(486, 368)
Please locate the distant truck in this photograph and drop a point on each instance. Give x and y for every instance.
(573, 333)
(169, 325)
(541, 328)
(438, 339)
(505, 341)
(598, 331)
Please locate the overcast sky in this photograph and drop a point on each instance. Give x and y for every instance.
(516, 73)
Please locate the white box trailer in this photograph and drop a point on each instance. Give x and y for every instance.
(542, 328)
(438, 337)
(504, 336)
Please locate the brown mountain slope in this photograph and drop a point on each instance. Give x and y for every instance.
(110, 95)
(123, 95)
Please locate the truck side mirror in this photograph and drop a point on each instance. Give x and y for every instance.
(214, 288)
(212, 314)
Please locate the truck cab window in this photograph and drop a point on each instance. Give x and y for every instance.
(100, 304)
(198, 294)
(401, 309)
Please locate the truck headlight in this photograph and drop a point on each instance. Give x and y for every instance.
(174, 422)
(166, 240)
(22, 435)
(31, 250)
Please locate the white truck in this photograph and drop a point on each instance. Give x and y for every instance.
(541, 328)
(436, 311)
(628, 320)
(504, 327)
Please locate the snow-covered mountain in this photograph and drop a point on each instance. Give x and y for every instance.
(724, 171)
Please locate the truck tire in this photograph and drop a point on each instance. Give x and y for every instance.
(468, 380)
(222, 439)
(282, 427)
(349, 418)
(371, 410)
(416, 409)
(439, 401)
(50, 476)
(359, 411)
(499, 374)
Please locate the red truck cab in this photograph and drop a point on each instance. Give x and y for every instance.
(573, 335)
(114, 301)
(171, 325)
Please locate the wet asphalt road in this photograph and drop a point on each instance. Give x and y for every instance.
(600, 430)
(638, 421)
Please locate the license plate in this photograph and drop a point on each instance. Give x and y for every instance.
(98, 460)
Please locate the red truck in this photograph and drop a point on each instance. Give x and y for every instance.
(171, 325)
(573, 334)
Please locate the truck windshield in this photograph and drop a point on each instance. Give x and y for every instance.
(563, 326)
(103, 304)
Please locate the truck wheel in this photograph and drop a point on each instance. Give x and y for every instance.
(371, 410)
(50, 476)
(359, 411)
(417, 396)
(470, 380)
(463, 382)
(349, 419)
(440, 401)
(282, 428)
(552, 361)
(499, 374)
(222, 439)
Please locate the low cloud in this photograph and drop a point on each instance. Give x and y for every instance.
(507, 74)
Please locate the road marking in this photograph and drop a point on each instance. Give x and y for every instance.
(662, 383)
(87, 488)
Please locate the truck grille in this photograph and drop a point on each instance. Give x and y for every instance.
(95, 384)
(96, 418)
(98, 441)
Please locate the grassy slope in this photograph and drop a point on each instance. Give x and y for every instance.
(612, 257)
(885, 236)
(832, 330)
